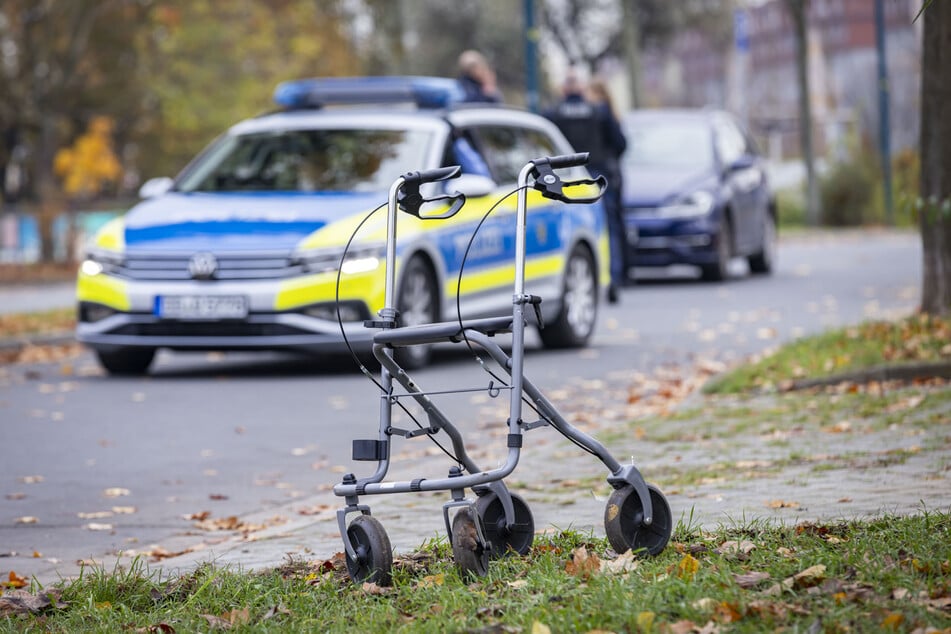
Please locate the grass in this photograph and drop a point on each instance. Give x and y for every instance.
(890, 574)
(920, 338)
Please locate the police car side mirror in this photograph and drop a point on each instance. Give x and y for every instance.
(155, 187)
(472, 185)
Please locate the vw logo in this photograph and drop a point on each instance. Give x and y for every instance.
(202, 266)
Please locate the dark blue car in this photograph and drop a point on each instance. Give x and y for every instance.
(696, 192)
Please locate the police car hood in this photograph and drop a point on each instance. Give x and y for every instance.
(219, 222)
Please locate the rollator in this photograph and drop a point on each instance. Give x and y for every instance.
(493, 521)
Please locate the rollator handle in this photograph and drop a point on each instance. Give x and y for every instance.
(552, 187)
(411, 200)
(567, 160)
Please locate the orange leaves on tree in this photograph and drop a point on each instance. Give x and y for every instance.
(90, 165)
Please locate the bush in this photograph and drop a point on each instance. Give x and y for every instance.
(846, 194)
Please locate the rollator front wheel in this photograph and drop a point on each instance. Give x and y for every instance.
(506, 540)
(469, 554)
(374, 559)
(624, 522)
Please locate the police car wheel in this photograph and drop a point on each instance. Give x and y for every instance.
(126, 361)
(418, 303)
(579, 303)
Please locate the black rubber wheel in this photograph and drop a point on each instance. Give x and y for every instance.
(623, 522)
(374, 554)
(579, 303)
(504, 540)
(761, 263)
(126, 361)
(720, 270)
(471, 557)
(418, 303)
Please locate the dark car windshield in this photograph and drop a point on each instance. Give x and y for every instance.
(306, 160)
(668, 143)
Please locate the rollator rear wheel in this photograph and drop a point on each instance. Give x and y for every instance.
(374, 553)
(471, 556)
(506, 540)
(624, 522)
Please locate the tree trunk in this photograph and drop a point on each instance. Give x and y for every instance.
(632, 51)
(798, 10)
(935, 210)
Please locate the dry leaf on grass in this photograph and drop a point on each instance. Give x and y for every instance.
(20, 602)
(582, 563)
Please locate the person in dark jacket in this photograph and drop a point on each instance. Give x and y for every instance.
(477, 78)
(592, 127)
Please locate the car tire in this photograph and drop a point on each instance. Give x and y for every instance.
(418, 303)
(720, 270)
(579, 303)
(761, 262)
(126, 361)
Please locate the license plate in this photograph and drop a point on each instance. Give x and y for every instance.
(201, 306)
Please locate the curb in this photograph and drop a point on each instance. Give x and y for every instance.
(906, 373)
(15, 344)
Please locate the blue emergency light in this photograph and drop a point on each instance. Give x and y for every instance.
(424, 92)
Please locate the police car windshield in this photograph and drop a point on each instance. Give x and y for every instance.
(307, 161)
(673, 143)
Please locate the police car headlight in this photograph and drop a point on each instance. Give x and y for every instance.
(97, 262)
(693, 205)
(359, 260)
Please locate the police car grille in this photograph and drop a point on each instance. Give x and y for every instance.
(207, 329)
(230, 267)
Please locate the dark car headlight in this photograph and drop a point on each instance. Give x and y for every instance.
(693, 205)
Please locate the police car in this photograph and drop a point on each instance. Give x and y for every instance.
(244, 249)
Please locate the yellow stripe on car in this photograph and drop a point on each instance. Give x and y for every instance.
(103, 289)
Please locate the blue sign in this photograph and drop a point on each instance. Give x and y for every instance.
(741, 30)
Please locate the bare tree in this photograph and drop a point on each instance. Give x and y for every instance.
(798, 10)
(935, 208)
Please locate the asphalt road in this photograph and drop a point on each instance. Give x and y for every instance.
(90, 464)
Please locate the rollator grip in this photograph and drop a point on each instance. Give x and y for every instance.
(568, 160)
(411, 200)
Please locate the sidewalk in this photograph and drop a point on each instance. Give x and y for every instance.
(36, 297)
(821, 455)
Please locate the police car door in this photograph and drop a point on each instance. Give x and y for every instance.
(507, 148)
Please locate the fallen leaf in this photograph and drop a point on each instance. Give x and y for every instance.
(15, 496)
(430, 581)
(374, 589)
(745, 547)
(645, 621)
(116, 492)
(124, 510)
(893, 621)
(782, 504)
(624, 563)
(201, 516)
(15, 581)
(582, 563)
(687, 567)
(811, 576)
(21, 602)
(94, 515)
(540, 628)
(30, 479)
(518, 584)
(750, 579)
(93, 526)
(217, 496)
(26, 519)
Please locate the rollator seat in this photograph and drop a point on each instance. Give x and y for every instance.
(442, 331)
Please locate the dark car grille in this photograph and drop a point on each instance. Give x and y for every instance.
(210, 329)
(230, 267)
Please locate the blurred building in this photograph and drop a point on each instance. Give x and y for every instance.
(754, 74)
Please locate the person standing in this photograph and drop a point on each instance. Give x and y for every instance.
(477, 78)
(592, 127)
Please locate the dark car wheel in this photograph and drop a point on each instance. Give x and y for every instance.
(418, 303)
(720, 270)
(762, 261)
(126, 361)
(579, 303)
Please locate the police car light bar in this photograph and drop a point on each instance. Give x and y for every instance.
(425, 92)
